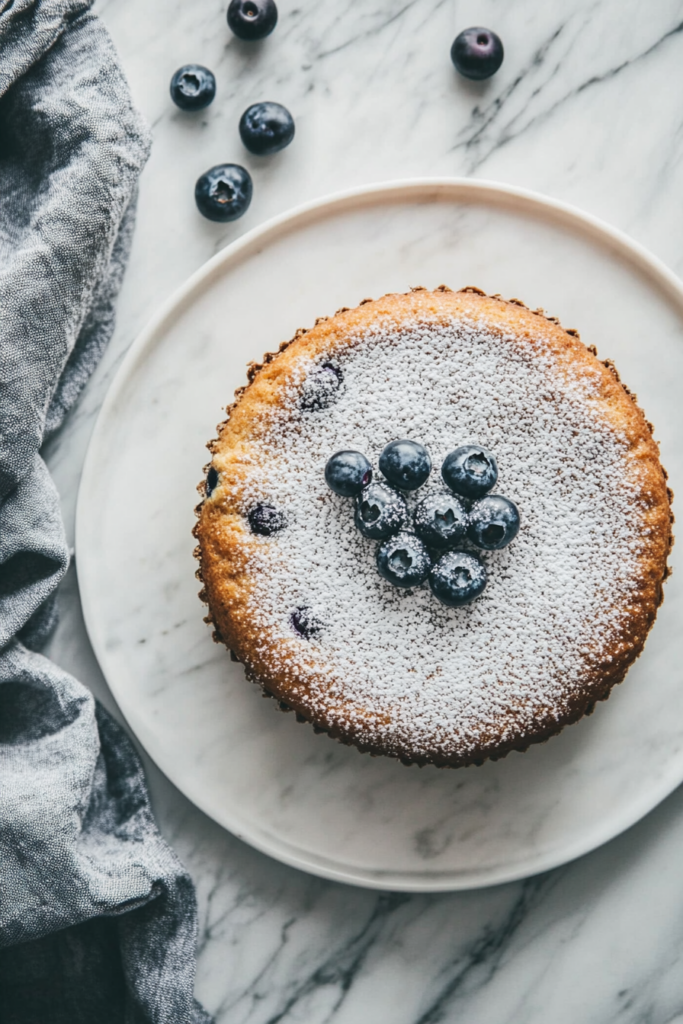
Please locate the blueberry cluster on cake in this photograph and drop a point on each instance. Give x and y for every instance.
(428, 542)
(396, 642)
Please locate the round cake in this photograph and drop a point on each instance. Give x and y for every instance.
(293, 587)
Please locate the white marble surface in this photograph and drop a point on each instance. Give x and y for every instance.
(585, 108)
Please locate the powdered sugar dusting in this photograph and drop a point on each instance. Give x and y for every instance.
(417, 675)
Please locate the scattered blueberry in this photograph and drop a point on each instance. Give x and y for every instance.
(266, 128)
(321, 387)
(305, 622)
(380, 512)
(457, 578)
(470, 471)
(211, 481)
(477, 53)
(252, 19)
(404, 560)
(266, 519)
(193, 87)
(494, 522)
(405, 464)
(347, 473)
(224, 192)
(440, 520)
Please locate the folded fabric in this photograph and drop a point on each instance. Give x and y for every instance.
(97, 916)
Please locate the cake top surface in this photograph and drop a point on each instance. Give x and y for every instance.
(397, 666)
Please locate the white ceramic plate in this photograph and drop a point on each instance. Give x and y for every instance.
(301, 797)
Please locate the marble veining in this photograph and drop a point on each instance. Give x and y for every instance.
(586, 109)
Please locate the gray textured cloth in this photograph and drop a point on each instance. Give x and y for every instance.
(97, 916)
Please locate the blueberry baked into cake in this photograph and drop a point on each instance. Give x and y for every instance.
(436, 526)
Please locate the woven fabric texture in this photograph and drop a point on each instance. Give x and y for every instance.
(97, 915)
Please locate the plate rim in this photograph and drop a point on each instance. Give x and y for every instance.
(435, 188)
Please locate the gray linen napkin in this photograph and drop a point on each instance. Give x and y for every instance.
(97, 916)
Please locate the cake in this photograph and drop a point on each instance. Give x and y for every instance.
(292, 587)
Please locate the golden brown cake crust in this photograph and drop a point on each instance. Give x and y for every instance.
(227, 549)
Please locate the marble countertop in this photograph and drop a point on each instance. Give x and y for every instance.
(585, 109)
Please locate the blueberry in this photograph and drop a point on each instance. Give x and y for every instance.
(193, 87)
(347, 473)
(306, 622)
(266, 128)
(211, 481)
(470, 471)
(457, 578)
(440, 520)
(224, 192)
(477, 53)
(321, 387)
(252, 19)
(405, 464)
(266, 519)
(404, 560)
(380, 512)
(494, 522)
